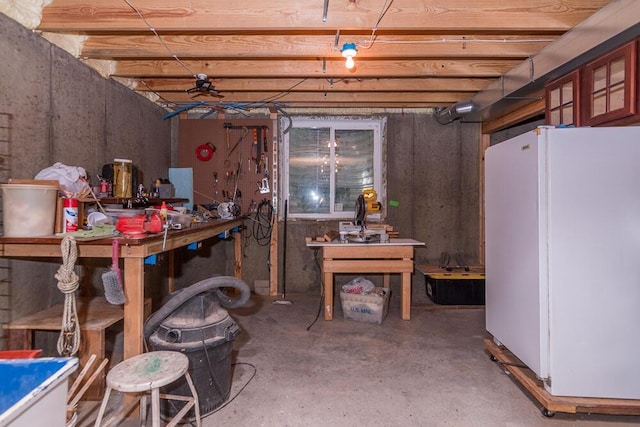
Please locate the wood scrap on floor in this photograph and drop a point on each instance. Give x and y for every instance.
(72, 397)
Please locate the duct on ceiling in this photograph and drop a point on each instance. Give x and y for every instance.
(455, 111)
(610, 27)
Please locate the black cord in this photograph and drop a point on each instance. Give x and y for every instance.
(315, 257)
(262, 223)
(215, 382)
(255, 370)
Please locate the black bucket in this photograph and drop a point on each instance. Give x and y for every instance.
(204, 332)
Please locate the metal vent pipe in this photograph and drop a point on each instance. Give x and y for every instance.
(610, 27)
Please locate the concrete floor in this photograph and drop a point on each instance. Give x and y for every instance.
(430, 371)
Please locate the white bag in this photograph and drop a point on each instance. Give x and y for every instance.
(72, 179)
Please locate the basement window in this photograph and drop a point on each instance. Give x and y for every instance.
(328, 162)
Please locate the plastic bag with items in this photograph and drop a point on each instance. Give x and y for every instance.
(359, 285)
(72, 179)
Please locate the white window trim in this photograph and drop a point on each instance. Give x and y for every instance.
(379, 127)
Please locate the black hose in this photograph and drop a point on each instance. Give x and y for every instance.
(183, 295)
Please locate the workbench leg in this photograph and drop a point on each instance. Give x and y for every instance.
(237, 252)
(328, 296)
(134, 306)
(133, 313)
(405, 304)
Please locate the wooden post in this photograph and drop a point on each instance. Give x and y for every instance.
(273, 258)
(237, 254)
(134, 306)
(482, 147)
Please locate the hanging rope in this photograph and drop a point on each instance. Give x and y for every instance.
(68, 283)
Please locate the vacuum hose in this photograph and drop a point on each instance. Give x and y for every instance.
(183, 295)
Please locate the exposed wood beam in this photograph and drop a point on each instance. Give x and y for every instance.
(200, 16)
(323, 97)
(285, 46)
(425, 53)
(314, 68)
(323, 84)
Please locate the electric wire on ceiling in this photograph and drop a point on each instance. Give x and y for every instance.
(364, 44)
(237, 106)
(153, 30)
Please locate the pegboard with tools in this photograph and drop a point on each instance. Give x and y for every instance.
(231, 160)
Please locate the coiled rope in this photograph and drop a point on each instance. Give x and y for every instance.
(68, 283)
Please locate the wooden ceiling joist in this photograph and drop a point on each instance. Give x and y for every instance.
(410, 52)
(205, 16)
(306, 46)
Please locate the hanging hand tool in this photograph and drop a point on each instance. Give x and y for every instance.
(227, 127)
(258, 148)
(263, 187)
(264, 138)
(245, 131)
(255, 137)
(235, 190)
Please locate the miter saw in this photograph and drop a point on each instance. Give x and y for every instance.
(357, 231)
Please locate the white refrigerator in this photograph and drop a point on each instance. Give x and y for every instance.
(562, 209)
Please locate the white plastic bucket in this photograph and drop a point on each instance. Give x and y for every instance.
(28, 210)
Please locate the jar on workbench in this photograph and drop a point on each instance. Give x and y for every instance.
(122, 177)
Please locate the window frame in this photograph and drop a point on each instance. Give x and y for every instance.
(626, 52)
(558, 85)
(377, 124)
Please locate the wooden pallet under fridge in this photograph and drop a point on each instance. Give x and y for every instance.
(552, 404)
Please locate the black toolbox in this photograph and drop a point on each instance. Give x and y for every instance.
(455, 287)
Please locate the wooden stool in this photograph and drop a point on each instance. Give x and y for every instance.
(95, 316)
(146, 373)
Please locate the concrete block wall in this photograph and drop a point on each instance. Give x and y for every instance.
(432, 172)
(53, 108)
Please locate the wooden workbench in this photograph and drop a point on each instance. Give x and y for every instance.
(393, 257)
(133, 251)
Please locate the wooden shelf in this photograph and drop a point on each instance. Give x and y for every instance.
(95, 315)
(121, 200)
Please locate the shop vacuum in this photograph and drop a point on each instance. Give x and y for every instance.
(194, 323)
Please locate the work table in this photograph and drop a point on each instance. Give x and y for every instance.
(133, 251)
(395, 256)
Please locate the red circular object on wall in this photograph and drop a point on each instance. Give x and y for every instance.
(205, 152)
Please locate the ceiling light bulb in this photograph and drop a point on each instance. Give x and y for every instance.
(350, 62)
(349, 51)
